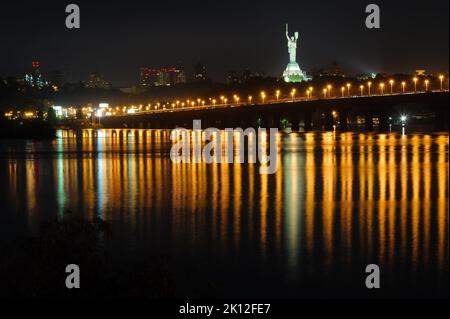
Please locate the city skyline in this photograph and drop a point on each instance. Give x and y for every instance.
(327, 33)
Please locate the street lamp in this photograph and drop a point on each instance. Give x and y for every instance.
(369, 84)
(250, 99)
(324, 93)
(263, 96)
(382, 88)
(362, 89)
(348, 89)
(403, 119)
(311, 90)
(403, 86)
(293, 94)
(308, 94)
(441, 78)
(426, 85)
(277, 93)
(329, 90)
(342, 91)
(391, 82)
(222, 98)
(415, 84)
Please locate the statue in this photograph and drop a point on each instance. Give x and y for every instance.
(293, 73)
(292, 45)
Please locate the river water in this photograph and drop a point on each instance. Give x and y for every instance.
(337, 202)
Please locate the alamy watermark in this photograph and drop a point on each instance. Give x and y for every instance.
(373, 277)
(73, 18)
(220, 148)
(73, 279)
(373, 19)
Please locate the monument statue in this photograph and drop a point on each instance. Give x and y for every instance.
(293, 73)
(292, 45)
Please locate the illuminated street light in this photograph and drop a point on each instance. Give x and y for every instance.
(382, 88)
(426, 85)
(277, 94)
(263, 96)
(311, 89)
(403, 86)
(342, 90)
(214, 102)
(403, 119)
(308, 94)
(362, 89)
(415, 84)
(369, 84)
(293, 94)
(250, 99)
(441, 78)
(391, 82)
(222, 98)
(348, 89)
(324, 93)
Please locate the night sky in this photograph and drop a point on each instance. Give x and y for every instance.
(117, 37)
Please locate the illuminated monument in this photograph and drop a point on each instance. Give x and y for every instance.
(293, 73)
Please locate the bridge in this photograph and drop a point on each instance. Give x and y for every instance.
(301, 114)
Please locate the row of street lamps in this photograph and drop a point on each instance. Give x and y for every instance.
(346, 88)
(327, 93)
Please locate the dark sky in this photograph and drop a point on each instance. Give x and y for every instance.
(117, 37)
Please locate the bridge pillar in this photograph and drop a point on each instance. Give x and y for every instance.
(295, 124)
(368, 122)
(343, 122)
(266, 122)
(384, 123)
(329, 121)
(277, 122)
(307, 118)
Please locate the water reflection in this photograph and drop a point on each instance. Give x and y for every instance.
(337, 201)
